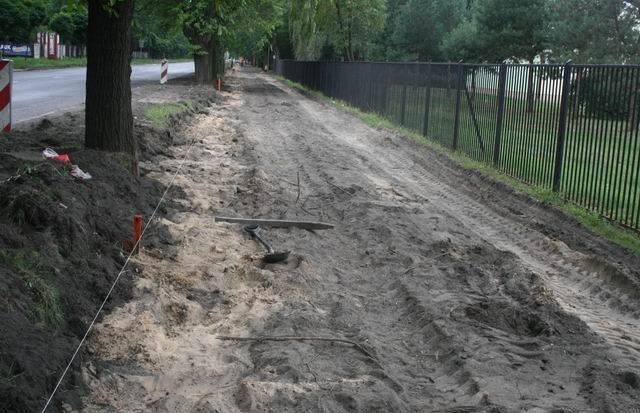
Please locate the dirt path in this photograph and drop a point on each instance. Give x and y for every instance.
(469, 297)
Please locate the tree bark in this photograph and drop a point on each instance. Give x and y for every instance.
(350, 34)
(473, 84)
(108, 116)
(203, 68)
(633, 118)
(530, 87)
(342, 30)
(539, 87)
(208, 64)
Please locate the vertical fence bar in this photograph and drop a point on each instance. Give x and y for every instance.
(584, 115)
(456, 124)
(403, 108)
(427, 103)
(562, 125)
(502, 83)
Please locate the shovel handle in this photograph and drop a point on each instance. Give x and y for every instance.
(253, 230)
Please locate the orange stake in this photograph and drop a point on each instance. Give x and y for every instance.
(219, 84)
(137, 231)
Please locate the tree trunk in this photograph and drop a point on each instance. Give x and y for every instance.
(580, 104)
(203, 68)
(539, 87)
(633, 118)
(350, 35)
(207, 64)
(473, 84)
(347, 51)
(108, 117)
(530, 87)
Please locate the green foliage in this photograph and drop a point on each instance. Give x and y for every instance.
(254, 27)
(156, 28)
(385, 47)
(511, 29)
(283, 46)
(421, 26)
(595, 31)
(351, 25)
(587, 31)
(343, 29)
(36, 275)
(20, 19)
(462, 43)
(71, 23)
(306, 39)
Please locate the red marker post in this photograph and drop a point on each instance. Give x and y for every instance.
(137, 232)
(164, 71)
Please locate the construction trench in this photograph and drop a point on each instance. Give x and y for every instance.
(437, 289)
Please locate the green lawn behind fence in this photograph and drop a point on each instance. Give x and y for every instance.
(601, 157)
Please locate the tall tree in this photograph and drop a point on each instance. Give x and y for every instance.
(421, 26)
(595, 31)
(157, 28)
(253, 31)
(513, 29)
(70, 22)
(203, 22)
(351, 25)
(306, 38)
(347, 28)
(462, 43)
(108, 116)
(20, 19)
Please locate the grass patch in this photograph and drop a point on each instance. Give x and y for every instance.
(159, 114)
(29, 63)
(9, 375)
(600, 156)
(36, 275)
(626, 238)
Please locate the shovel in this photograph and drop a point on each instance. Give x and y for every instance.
(271, 255)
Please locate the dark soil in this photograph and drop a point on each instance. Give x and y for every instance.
(61, 241)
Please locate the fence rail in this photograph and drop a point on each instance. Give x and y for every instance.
(570, 128)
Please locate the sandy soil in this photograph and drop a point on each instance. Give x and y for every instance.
(465, 296)
(61, 240)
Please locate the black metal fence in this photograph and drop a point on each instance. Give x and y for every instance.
(570, 128)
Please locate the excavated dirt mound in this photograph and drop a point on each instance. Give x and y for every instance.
(61, 240)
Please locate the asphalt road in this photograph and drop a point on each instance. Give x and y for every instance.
(38, 93)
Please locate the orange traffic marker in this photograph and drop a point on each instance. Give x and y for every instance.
(137, 231)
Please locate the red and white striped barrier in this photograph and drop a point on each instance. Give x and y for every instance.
(6, 77)
(49, 44)
(164, 71)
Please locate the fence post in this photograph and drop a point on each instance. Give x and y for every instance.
(502, 86)
(404, 104)
(370, 104)
(385, 93)
(427, 103)
(456, 124)
(562, 125)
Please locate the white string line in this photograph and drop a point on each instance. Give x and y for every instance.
(122, 270)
